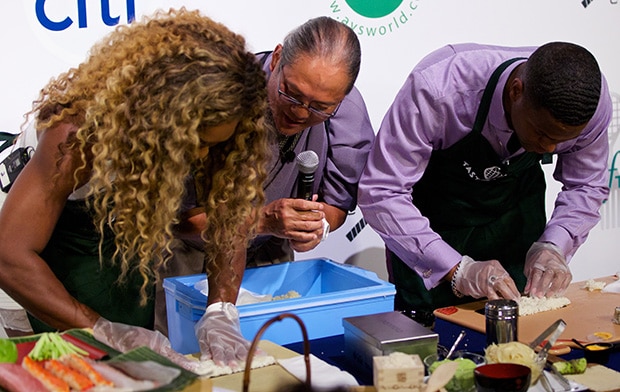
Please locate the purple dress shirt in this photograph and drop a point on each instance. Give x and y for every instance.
(434, 109)
(342, 147)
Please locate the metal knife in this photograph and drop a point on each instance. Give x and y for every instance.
(545, 383)
(559, 376)
(536, 342)
(560, 326)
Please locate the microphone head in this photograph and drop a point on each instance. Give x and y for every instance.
(307, 161)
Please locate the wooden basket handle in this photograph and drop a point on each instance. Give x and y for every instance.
(280, 317)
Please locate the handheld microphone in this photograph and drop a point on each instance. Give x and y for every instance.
(307, 163)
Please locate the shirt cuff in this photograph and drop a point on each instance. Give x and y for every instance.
(560, 238)
(437, 260)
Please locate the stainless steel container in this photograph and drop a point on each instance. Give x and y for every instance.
(384, 333)
(501, 320)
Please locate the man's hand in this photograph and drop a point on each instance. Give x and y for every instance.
(546, 270)
(298, 220)
(480, 279)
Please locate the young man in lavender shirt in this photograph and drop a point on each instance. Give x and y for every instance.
(454, 184)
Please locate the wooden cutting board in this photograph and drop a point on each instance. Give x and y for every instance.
(588, 312)
(266, 379)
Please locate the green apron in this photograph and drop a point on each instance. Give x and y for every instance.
(73, 254)
(482, 207)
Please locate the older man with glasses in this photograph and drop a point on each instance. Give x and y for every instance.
(313, 106)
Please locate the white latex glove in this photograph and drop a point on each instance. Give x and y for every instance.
(124, 337)
(546, 270)
(219, 335)
(480, 279)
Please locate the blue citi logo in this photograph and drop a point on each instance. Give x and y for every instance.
(59, 24)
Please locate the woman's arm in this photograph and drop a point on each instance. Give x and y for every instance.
(27, 220)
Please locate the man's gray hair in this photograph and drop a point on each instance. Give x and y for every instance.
(324, 37)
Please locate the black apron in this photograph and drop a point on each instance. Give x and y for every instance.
(481, 206)
(73, 255)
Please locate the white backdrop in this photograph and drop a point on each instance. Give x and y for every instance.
(42, 38)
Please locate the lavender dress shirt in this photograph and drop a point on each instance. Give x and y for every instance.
(342, 147)
(434, 109)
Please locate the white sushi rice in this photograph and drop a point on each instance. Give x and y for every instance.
(592, 285)
(210, 369)
(530, 305)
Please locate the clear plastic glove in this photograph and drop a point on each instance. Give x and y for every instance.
(219, 335)
(480, 279)
(123, 338)
(546, 270)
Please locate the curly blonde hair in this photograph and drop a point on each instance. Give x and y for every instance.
(140, 102)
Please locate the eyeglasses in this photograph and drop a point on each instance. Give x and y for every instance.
(297, 103)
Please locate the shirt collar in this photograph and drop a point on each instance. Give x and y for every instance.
(497, 116)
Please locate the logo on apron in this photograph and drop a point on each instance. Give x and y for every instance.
(489, 174)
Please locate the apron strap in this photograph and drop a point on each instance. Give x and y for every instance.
(8, 139)
(485, 102)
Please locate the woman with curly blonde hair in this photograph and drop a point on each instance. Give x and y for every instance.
(86, 225)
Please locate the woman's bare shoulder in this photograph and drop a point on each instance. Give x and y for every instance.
(55, 156)
(59, 132)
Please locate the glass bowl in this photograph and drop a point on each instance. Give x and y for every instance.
(441, 354)
(463, 380)
(538, 368)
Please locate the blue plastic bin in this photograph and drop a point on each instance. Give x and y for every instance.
(329, 292)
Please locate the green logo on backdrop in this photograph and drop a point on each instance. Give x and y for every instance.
(373, 9)
(374, 18)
